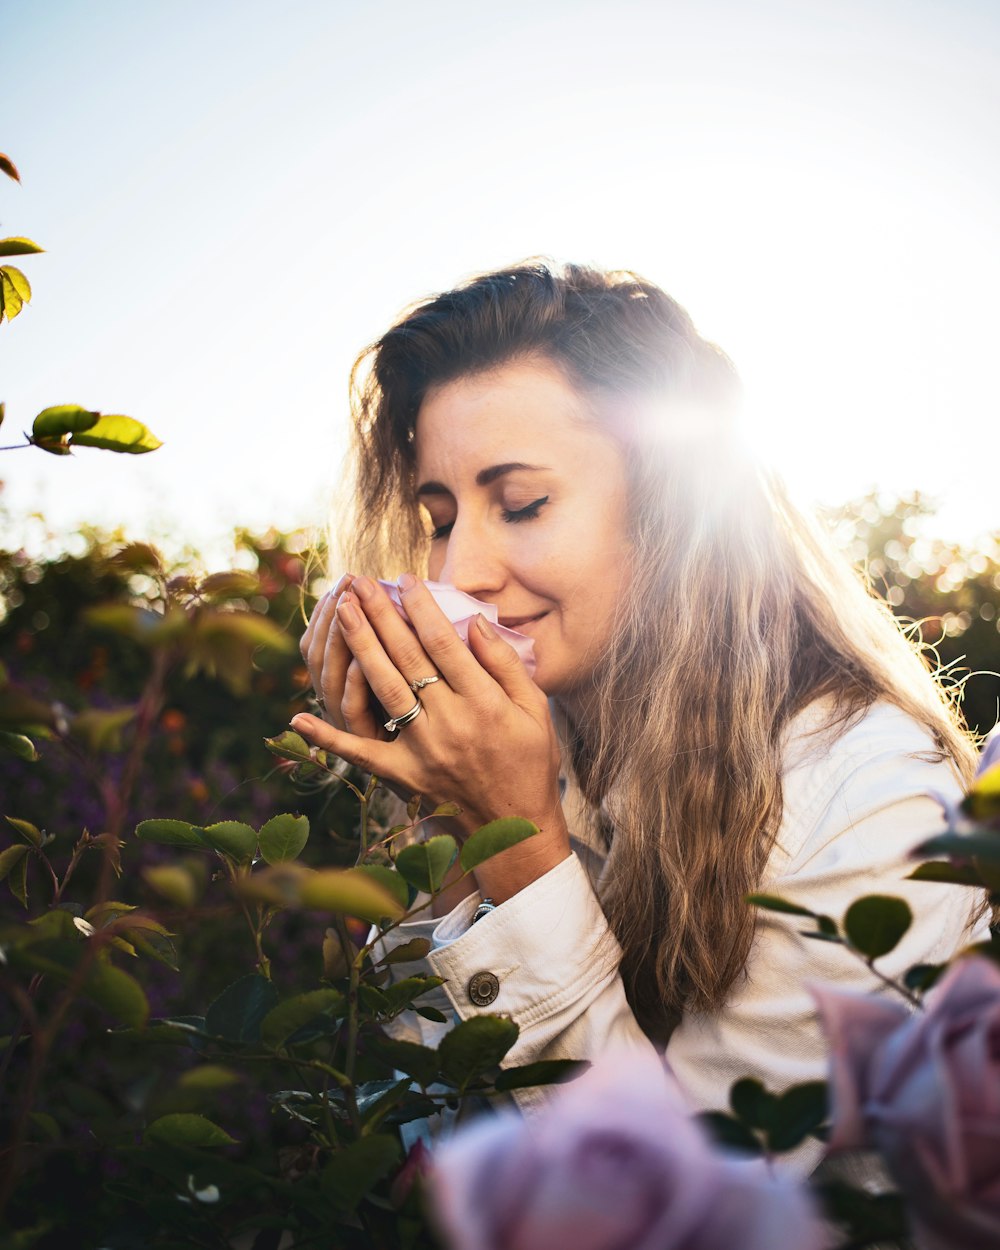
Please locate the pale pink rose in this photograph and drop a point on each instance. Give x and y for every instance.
(924, 1090)
(461, 610)
(614, 1162)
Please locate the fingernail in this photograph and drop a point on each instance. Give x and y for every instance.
(485, 628)
(363, 587)
(406, 582)
(348, 614)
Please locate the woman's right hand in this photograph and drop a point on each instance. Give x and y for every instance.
(344, 696)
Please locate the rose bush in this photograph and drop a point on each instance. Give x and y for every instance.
(614, 1161)
(924, 1091)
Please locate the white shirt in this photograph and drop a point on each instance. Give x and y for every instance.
(854, 806)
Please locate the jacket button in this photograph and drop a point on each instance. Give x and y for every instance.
(483, 988)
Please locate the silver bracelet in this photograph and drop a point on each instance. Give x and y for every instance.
(484, 909)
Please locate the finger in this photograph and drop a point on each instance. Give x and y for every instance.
(388, 684)
(313, 640)
(398, 638)
(504, 665)
(368, 754)
(355, 707)
(337, 660)
(440, 640)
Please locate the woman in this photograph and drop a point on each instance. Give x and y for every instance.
(733, 710)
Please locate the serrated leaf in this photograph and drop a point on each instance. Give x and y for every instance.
(403, 993)
(414, 1060)
(874, 924)
(390, 881)
(12, 299)
(288, 1017)
(10, 858)
(415, 948)
(19, 246)
(31, 833)
(424, 864)
(188, 1131)
(354, 1170)
(289, 746)
(18, 281)
(543, 1072)
(475, 1046)
(63, 419)
(773, 902)
(19, 745)
(232, 838)
(491, 839)
(138, 558)
(114, 432)
(238, 1011)
(447, 809)
(283, 837)
(170, 833)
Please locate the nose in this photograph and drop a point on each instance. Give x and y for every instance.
(471, 561)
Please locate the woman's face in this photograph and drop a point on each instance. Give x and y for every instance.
(528, 505)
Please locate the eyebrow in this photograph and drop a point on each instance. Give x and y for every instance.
(484, 477)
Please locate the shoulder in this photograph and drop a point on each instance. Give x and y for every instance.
(835, 778)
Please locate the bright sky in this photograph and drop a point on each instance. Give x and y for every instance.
(236, 196)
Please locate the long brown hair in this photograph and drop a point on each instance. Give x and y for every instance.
(739, 615)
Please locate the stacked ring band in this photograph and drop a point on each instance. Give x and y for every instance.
(398, 722)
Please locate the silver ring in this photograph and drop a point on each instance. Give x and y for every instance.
(398, 722)
(420, 682)
(319, 701)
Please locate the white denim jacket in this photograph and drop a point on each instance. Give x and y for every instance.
(854, 806)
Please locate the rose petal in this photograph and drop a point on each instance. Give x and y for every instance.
(854, 1025)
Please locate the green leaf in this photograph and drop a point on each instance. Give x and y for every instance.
(118, 993)
(289, 746)
(415, 948)
(234, 584)
(187, 1131)
(31, 833)
(772, 902)
(114, 432)
(446, 809)
(63, 419)
(390, 881)
(491, 839)
(17, 877)
(172, 882)
(19, 745)
(424, 864)
(170, 833)
(351, 892)
(402, 994)
(18, 246)
(102, 729)
(431, 1013)
(241, 1007)
(11, 297)
(795, 1114)
(10, 858)
(233, 838)
(730, 1133)
(922, 976)
(475, 1046)
(942, 870)
(420, 1062)
(294, 1013)
(752, 1103)
(963, 846)
(355, 1170)
(543, 1072)
(283, 837)
(207, 1078)
(874, 924)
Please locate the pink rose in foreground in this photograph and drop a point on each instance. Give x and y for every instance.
(461, 609)
(924, 1090)
(613, 1163)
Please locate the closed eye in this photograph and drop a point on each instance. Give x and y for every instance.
(528, 513)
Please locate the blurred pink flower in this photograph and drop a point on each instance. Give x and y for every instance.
(613, 1163)
(924, 1090)
(461, 610)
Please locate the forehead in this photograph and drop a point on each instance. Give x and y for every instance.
(521, 411)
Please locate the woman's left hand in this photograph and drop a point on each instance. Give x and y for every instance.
(484, 738)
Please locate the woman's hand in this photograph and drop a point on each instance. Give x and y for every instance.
(483, 739)
(340, 685)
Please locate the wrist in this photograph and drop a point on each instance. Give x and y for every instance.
(506, 874)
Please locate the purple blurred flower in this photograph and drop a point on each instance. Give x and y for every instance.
(924, 1090)
(613, 1163)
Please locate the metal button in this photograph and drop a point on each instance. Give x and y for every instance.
(483, 988)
